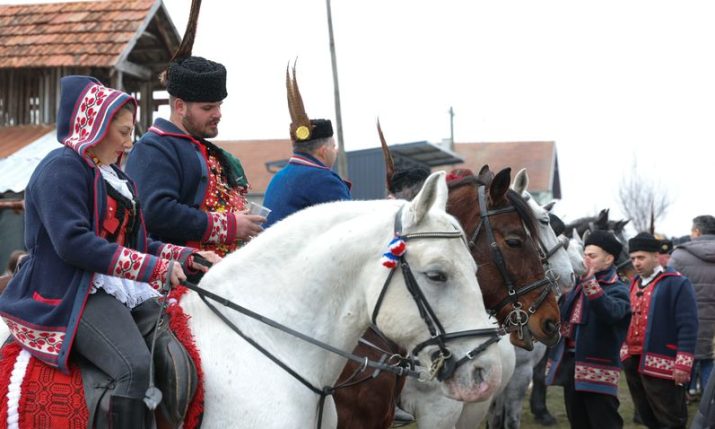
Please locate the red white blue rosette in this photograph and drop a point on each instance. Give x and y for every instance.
(396, 249)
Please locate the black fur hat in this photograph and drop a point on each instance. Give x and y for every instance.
(197, 79)
(606, 241)
(644, 242)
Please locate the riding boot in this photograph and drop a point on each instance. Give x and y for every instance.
(128, 413)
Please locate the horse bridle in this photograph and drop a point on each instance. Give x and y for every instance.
(518, 318)
(444, 364)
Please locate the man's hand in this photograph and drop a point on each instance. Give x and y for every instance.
(248, 226)
(681, 377)
(590, 269)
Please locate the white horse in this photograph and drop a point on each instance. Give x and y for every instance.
(319, 272)
(435, 411)
(575, 251)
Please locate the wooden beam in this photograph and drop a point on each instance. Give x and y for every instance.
(141, 72)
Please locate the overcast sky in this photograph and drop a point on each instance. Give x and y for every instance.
(608, 81)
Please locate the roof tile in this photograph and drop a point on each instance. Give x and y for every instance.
(74, 33)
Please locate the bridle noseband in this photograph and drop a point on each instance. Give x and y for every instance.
(518, 318)
(444, 364)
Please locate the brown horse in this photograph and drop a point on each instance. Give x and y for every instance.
(510, 273)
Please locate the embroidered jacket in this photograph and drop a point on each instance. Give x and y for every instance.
(66, 208)
(183, 190)
(671, 325)
(594, 318)
(304, 182)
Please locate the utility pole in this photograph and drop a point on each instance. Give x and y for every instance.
(451, 128)
(342, 159)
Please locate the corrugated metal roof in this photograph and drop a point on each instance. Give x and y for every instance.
(16, 169)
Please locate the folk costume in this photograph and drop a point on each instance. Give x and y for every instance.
(189, 187)
(594, 319)
(305, 181)
(91, 274)
(661, 338)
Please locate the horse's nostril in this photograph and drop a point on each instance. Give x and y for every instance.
(550, 327)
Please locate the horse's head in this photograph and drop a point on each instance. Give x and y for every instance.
(502, 232)
(557, 261)
(438, 296)
(575, 251)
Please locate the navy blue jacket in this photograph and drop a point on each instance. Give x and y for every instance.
(304, 182)
(672, 326)
(603, 313)
(171, 171)
(65, 203)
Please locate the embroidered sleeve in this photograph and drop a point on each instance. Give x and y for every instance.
(592, 289)
(159, 273)
(175, 253)
(684, 361)
(221, 228)
(133, 265)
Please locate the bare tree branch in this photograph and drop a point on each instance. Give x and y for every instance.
(639, 197)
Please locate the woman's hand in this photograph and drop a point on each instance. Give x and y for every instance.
(176, 274)
(209, 255)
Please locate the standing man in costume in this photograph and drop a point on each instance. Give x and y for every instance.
(307, 180)
(193, 192)
(658, 352)
(594, 320)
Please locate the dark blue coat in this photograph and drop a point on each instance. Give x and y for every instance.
(604, 314)
(171, 171)
(65, 202)
(304, 182)
(672, 326)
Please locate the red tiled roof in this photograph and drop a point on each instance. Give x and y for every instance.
(86, 34)
(254, 154)
(537, 157)
(15, 138)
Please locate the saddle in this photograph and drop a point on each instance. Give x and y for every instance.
(175, 374)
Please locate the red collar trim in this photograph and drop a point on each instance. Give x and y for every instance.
(299, 160)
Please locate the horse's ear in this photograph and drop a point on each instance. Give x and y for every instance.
(500, 185)
(550, 205)
(521, 182)
(602, 219)
(585, 235)
(485, 175)
(575, 236)
(433, 194)
(621, 224)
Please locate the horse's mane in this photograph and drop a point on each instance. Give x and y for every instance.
(517, 201)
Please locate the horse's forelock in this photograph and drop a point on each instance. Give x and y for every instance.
(524, 211)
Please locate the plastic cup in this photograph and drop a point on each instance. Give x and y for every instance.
(257, 209)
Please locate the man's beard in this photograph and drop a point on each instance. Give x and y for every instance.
(190, 125)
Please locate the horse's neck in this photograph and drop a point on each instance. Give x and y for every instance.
(317, 288)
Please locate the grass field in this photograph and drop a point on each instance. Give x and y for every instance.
(555, 400)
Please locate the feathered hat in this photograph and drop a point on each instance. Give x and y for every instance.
(302, 128)
(193, 78)
(400, 179)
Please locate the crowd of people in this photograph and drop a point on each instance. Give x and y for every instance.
(103, 242)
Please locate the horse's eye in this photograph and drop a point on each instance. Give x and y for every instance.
(544, 221)
(513, 242)
(436, 276)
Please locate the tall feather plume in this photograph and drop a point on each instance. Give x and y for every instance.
(295, 105)
(652, 220)
(389, 163)
(187, 42)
